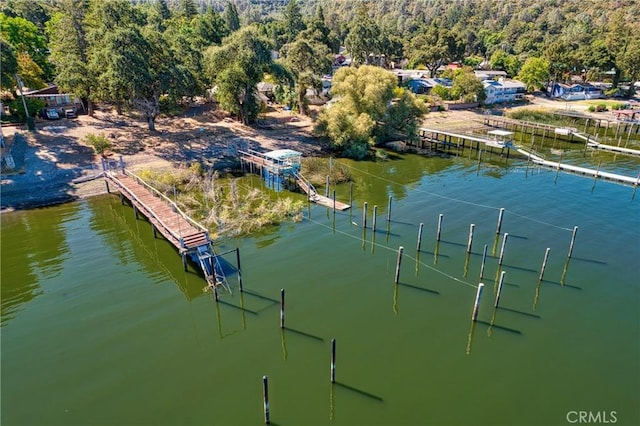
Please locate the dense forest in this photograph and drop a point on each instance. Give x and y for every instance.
(148, 55)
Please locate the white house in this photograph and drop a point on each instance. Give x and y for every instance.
(503, 91)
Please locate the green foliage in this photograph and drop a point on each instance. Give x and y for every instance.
(316, 170)
(368, 110)
(442, 92)
(592, 108)
(467, 87)
(25, 37)
(236, 67)
(363, 39)
(34, 106)
(472, 61)
(99, 143)
(9, 66)
(534, 73)
(501, 60)
(231, 17)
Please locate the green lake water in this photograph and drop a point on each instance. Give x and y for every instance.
(101, 325)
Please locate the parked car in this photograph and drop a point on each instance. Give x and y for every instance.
(52, 114)
(70, 113)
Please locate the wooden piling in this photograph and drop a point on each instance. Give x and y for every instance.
(476, 305)
(106, 182)
(499, 288)
(389, 210)
(239, 269)
(439, 226)
(265, 399)
(184, 261)
(351, 195)
(135, 211)
(334, 202)
(375, 216)
(573, 239)
(400, 251)
(544, 263)
(215, 292)
(500, 215)
(470, 242)
(364, 215)
(281, 308)
(326, 188)
(333, 360)
(504, 243)
(155, 231)
(419, 237)
(484, 259)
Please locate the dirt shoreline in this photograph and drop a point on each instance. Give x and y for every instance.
(57, 166)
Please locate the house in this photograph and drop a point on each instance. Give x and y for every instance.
(422, 86)
(55, 100)
(503, 91)
(575, 92)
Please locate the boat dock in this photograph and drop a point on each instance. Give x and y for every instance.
(628, 180)
(187, 235)
(277, 166)
(431, 139)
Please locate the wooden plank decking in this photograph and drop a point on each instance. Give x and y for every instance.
(163, 214)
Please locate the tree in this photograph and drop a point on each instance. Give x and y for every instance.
(369, 109)
(467, 87)
(500, 60)
(363, 38)
(307, 61)
(293, 23)
(158, 14)
(231, 17)
(8, 66)
(30, 73)
(534, 73)
(24, 37)
(210, 27)
(188, 8)
(236, 67)
(69, 46)
(433, 48)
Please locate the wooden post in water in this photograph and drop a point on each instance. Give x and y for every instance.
(326, 188)
(281, 308)
(573, 239)
(334, 202)
(439, 226)
(595, 176)
(476, 305)
(504, 243)
(419, 236)
(364, 215)
(470, 242)
(499, 288)
(375, 215)
(265, 399)
(351, 195)
(544, 263)
(155, 231)
(484, 259)
(333, 360)
(500, 220)
(400, 251)
(389, 210)
(239, 270)
(135, 211)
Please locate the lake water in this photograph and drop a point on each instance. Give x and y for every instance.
(101, 326)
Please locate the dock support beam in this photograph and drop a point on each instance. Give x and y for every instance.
(476, 305)
(239, 269)
(333, 360)
(265, 399)
(439, 226)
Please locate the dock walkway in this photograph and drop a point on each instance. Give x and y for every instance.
(187, 235)
(628, 180)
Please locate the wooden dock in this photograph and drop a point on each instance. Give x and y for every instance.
(187, 235)
(596, 174)
(274, 169)
(431, 139)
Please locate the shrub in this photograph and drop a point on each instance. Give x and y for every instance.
(592, 108)
(99, 143)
